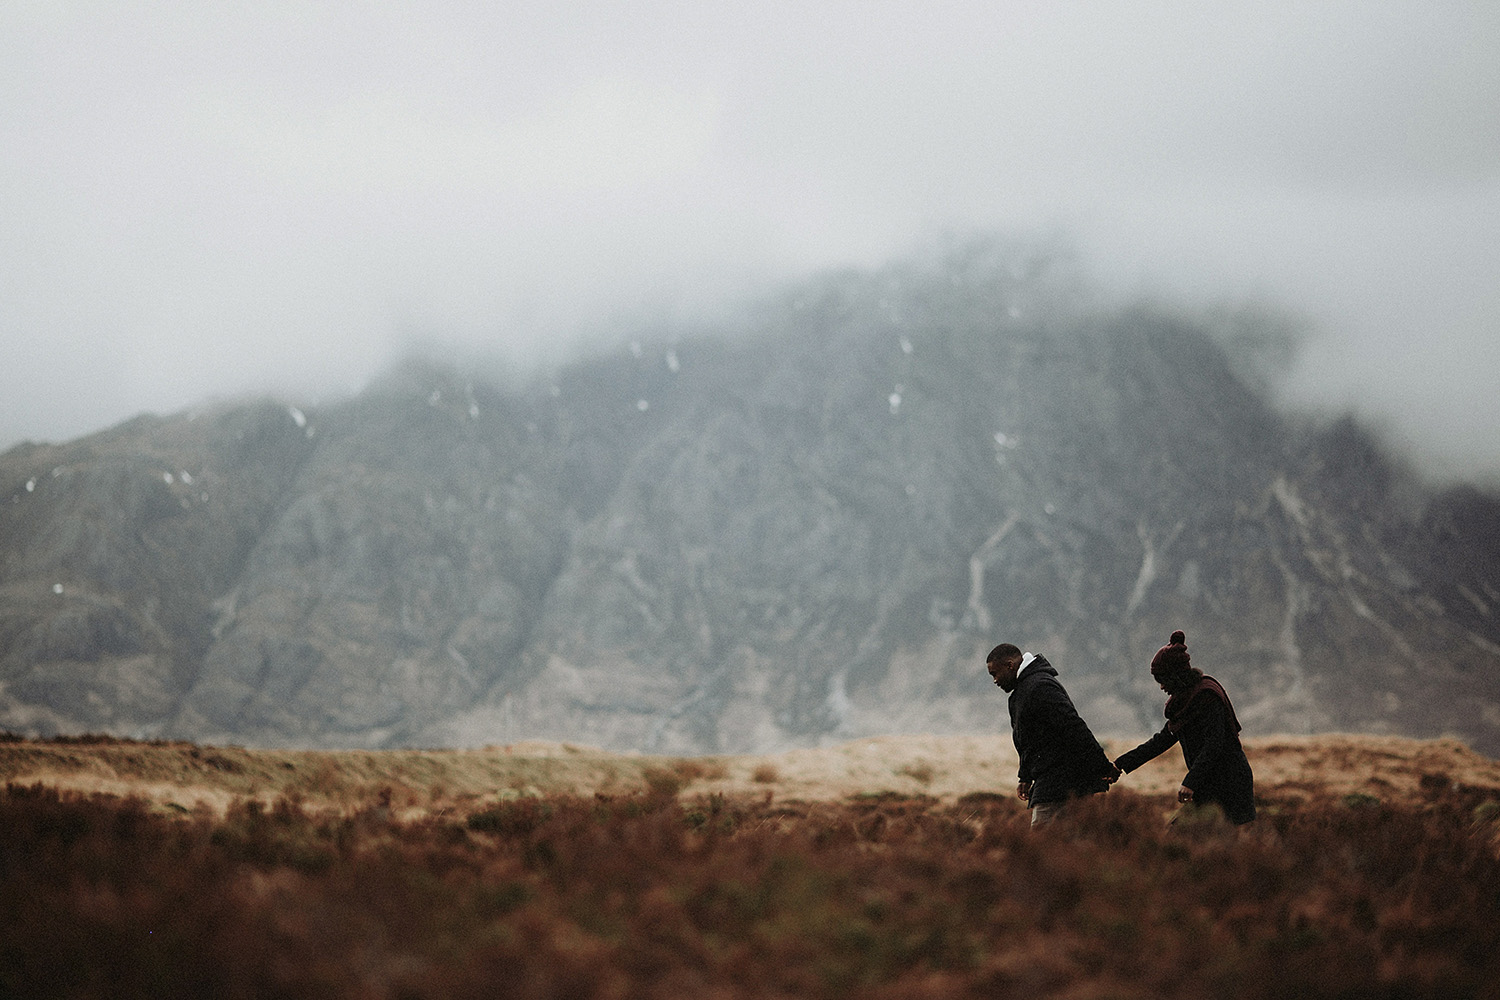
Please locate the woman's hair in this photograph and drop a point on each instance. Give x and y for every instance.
(1173, 667)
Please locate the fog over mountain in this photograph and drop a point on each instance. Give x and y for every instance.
(806, 525)
(634, 373)
(200, 201)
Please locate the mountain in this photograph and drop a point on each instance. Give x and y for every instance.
(808, 528)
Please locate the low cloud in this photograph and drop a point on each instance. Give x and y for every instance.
(200, 202)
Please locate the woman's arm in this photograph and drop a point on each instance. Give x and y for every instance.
(1149, 750)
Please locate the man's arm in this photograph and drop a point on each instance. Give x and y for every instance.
(1070, 729)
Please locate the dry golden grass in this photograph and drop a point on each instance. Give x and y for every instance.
(416, 783)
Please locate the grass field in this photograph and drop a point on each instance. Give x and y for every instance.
(893, 867)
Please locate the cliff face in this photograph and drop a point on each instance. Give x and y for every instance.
(811, 530)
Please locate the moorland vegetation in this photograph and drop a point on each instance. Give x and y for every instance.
(660, 891)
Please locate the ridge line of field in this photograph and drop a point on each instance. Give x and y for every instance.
(188, 776)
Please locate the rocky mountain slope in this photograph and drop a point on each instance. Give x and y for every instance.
(807, 529)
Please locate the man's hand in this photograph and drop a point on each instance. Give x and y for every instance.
(1023, 791)
(1114, 775)
(1184, 794)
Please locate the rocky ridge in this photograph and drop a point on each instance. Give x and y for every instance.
(808, 531)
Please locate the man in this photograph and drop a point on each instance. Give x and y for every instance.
(1060, 759)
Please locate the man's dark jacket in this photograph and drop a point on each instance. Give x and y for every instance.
(1059, 755)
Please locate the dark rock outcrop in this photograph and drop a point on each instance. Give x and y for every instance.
(812, 529)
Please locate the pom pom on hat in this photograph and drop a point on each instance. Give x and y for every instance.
(1173, 656)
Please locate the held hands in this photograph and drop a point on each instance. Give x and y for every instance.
(1023, 788)
(1184, 793)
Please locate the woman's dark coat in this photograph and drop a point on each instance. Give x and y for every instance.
(1203, 721)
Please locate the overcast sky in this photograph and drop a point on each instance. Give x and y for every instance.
(203, 199)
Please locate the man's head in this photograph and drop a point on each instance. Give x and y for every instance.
(1002, 663)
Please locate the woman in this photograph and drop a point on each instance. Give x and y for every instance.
(1200, 717)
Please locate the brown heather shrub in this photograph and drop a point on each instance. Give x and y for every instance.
(919, 771)
(691, 769)
(645, 896)
(663, 782)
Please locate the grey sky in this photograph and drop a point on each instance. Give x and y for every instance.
(208, 199)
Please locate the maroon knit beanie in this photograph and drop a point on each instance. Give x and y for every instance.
(1172, 658)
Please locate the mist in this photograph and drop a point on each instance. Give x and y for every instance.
(199, 202)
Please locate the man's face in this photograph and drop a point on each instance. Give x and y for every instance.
(1003, 671)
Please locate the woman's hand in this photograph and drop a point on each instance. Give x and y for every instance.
(1023, 791)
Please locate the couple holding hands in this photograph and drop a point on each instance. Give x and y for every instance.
(1061, 759)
